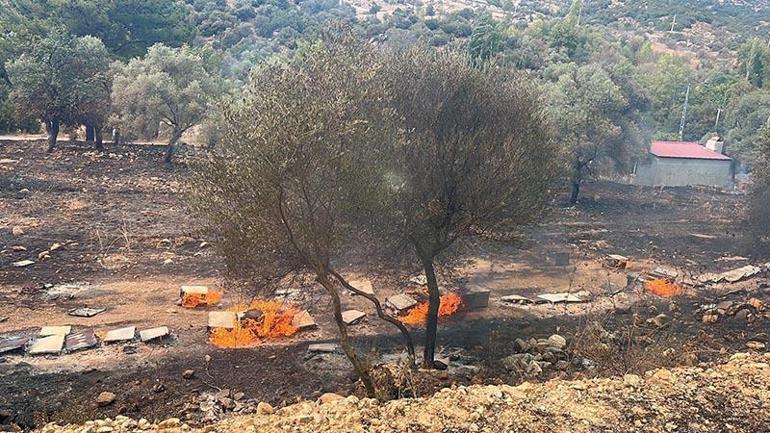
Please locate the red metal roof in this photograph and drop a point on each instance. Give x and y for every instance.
(684, 149)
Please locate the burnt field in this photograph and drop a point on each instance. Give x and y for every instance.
(111, 230)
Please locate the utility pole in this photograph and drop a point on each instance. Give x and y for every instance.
(716, 124)
(684, 113)
(580, 13)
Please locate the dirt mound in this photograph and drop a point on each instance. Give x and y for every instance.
(730, 397)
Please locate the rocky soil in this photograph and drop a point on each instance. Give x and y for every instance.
(729, 397)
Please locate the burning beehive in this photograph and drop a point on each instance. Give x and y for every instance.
(418, 316)
(663, 287)
(195, 296)
(261, 320)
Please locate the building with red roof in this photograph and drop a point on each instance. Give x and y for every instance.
(682, 163)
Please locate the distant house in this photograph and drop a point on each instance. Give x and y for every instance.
(680, 163)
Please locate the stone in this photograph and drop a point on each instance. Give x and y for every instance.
(13, 344)
(400, 302)
(222, 319)
(557, 341)
(516, 299)
(558, 298)
(86, 312)
(45, 331)
(475, 298)
(755, 345)
(153, 333)
(303, 320)
(80, 340)
(743, 314)
(352, 317)
(18, 248)
(188, 374)
(441, 363)
(521, 345)
(631, 380)
(253, 314)
(50, 345)
(616, 261)
(105, 399)
(23, 263)
(323, 348)
(329, 397)
(420, 280)
(120, 334)
(169, 423)
(264, 408)
(659, 321)
(17, 231)
(364, 285)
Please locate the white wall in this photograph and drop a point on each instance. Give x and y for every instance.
(684, 172)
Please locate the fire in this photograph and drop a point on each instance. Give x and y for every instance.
(194, 300)
(663, 288)
(448, 305)
(275, 322)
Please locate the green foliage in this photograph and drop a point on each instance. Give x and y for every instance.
(754, 57)
(665, 79)
(485, 40)
(61, 78)
(170, 86)
(745, 121)
(592, 118)
(126, 27)
(759, 209)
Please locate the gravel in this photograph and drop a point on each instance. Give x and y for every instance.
(734, 396)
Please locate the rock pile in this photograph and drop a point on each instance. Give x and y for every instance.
(732, 397)
(535, 356)
(210, 407)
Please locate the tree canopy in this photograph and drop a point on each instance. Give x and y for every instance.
(173, 87)
(60, 79)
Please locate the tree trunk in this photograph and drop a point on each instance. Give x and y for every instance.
(434, 300)
(116, 137)
(98, 138)
(175, 136)
(53, 132)
(575, 192)
(90, 134)
(358, 365)
(382, 315)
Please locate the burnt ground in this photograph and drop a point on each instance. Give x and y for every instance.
(129, 242)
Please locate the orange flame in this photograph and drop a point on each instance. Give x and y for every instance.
(194, 300)
(276, 322)
(418, 316)
(663, 288)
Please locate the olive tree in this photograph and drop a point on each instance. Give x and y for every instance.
(592, 119)
(476, 157)
(174, 87)
(61, 79)
(283, 190)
